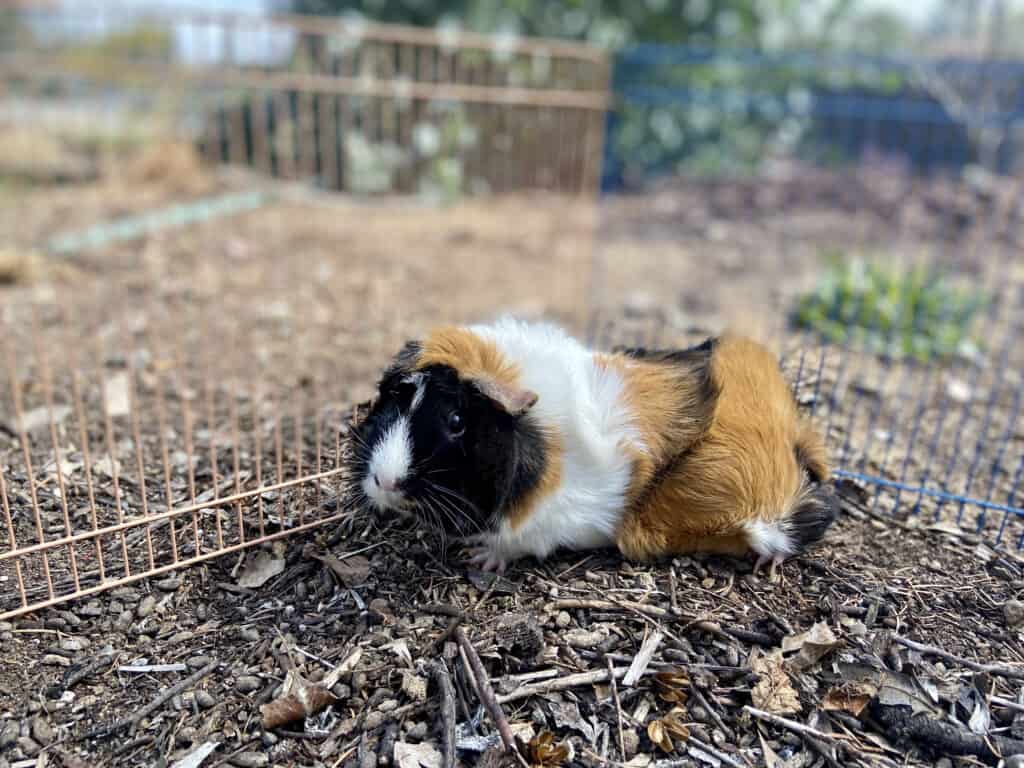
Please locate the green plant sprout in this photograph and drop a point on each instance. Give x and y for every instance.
(898, 312)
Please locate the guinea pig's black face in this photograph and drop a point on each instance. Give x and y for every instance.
(434, 444)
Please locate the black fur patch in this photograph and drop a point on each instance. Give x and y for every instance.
(461, 481)
(812, 517)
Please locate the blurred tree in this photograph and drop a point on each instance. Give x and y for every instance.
(606, 22)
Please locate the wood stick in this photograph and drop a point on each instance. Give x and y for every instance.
(795, 727)
(444, 684)
(618, 706)
(999, 670)
(156, 703)
(607, 605)
(643, 659)
(563, 684)
(486, 694)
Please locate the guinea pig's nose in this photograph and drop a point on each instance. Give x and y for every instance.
(386, 484)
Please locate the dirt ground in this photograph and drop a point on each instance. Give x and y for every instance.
(897, 642)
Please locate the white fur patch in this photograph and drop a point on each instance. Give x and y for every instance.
(769, 539)
(584, 403)
(389, 465)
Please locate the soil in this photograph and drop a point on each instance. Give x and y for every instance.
(220, 345)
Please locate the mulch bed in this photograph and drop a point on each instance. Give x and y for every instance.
(897, 642)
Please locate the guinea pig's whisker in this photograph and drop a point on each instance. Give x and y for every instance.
(452, 503)
(447, 511)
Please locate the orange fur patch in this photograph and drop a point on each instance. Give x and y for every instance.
(554, 450)
(744, 468)
(469, 354)
(670, 411)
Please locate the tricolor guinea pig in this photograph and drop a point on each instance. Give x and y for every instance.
(518, 438)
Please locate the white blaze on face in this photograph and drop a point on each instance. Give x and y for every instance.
(392, 457)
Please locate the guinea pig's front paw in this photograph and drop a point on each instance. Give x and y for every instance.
(485, 553)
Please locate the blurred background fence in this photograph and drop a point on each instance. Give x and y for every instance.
(218, 226)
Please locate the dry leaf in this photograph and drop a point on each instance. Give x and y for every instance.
(423, 755)
(351, 570)
(898, 690)
(851, 697)
(259, 569)
(675, 725)
(672, 686)
(657, 734)
(773, 693)
(812, 646)
(115, 395)
(544, 753)
(300, 699)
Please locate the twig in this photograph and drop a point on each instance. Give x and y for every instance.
(618, 706)
(103, 660)
(164, 695)
(444, 684)
(695, 743)
(643, 659)
(486, 695)
(795, 727)
(563, 684)
(607, 605)
(999, 670)
(712, 712)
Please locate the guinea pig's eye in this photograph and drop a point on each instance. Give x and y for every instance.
(455, 425)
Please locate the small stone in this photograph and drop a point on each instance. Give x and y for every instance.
(249, 634)
(1014, 761)
(390, 705)
(180, 637)
(268, 739)
(169, 585)
(74, 644)
(53, 660)
(146, 606)
(563, 619)
(248, 684)
(708, 583)
(374, 720)
(417, 732)
(42, 731)
(28, 746)
(342, 691)
(198, 662)
(202, 612)
(249, 760)
(204, 700)
(185, 736)
(91, 609)
(8, 735)
(1014, 613)
(115, 607)
(944, 762)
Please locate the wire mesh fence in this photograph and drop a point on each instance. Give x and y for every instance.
(179, 385)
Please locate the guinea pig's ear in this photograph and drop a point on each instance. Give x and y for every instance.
(515, 401)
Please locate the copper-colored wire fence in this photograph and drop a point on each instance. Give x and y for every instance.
(177, 385)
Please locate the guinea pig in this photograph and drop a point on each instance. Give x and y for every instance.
(519, 439)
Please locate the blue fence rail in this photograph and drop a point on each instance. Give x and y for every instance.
(721, 112)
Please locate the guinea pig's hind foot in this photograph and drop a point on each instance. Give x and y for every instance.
(775, 560)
